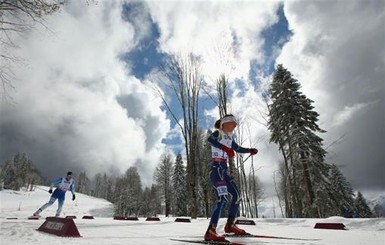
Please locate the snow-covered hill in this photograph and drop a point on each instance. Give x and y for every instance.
(22, 204)
(105, 230)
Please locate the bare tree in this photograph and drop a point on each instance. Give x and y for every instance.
(256, 193)
(183, 77)
(18, 17)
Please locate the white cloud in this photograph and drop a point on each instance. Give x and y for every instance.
(347, 113)
(76, 105)
(209, 28)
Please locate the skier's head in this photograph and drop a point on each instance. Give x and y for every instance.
(69, 175)
(227, 123)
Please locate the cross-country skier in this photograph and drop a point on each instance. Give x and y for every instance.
(62, 185)
(222, 148)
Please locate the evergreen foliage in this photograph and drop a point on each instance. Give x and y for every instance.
(19, 172)
(83, 184)
(293, 125)
(127, 194)
(151, 202)
(163, 178)
(103, 186)
(179, 187)
(362, 208)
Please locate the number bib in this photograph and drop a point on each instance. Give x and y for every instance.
(221, 188)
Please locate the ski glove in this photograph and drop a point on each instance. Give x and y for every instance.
(253, 151)
(73, 197)
(50, 191)
(229, 151)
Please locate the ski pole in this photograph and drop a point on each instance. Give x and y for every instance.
(246, 158)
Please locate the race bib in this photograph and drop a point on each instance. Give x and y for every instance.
(221, 188)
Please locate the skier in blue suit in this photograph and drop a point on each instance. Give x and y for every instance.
(62, 185)
(222, 148)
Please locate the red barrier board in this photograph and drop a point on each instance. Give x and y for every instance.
(88, 217)
(152, 219)
(331, 226)
(60, 227)
(184, 220)
(244, 222)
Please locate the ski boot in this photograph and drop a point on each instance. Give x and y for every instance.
(232, 228)
(212, 235)
(37, 213)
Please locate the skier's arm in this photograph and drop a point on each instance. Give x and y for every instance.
(213, 139)
(238, 148)
(55, 183)
(72, 188)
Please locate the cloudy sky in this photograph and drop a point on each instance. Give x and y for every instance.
(83, 96)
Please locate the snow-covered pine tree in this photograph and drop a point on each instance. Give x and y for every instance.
(103, 186)
(361, 206)
(127, 194)
(293, 125)
(151, 202)
(342, 196)
(179, 187)
(98, 190)
(163, 177)
(134, 184)
(83, 184)
(19, 172)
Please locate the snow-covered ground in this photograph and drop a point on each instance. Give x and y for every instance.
(105, 230)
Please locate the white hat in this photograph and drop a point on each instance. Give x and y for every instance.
(228, 118)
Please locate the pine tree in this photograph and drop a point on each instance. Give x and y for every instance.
(293, 126)
(362, 207)
(342, 195)
(151, 202)
(163, 176)
(83, 184)
(98, 190)
(127, 194)
(19, 172)
(179, 187)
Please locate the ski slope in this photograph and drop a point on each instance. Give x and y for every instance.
(105, 230)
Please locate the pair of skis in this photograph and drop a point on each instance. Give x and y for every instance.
(248, 235)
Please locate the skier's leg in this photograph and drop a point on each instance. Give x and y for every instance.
(234, 206)
(60, 206)
(220, 189)
(49, 203)
(233, 190)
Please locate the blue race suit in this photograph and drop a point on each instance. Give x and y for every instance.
(222, 182)
(62, 185)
